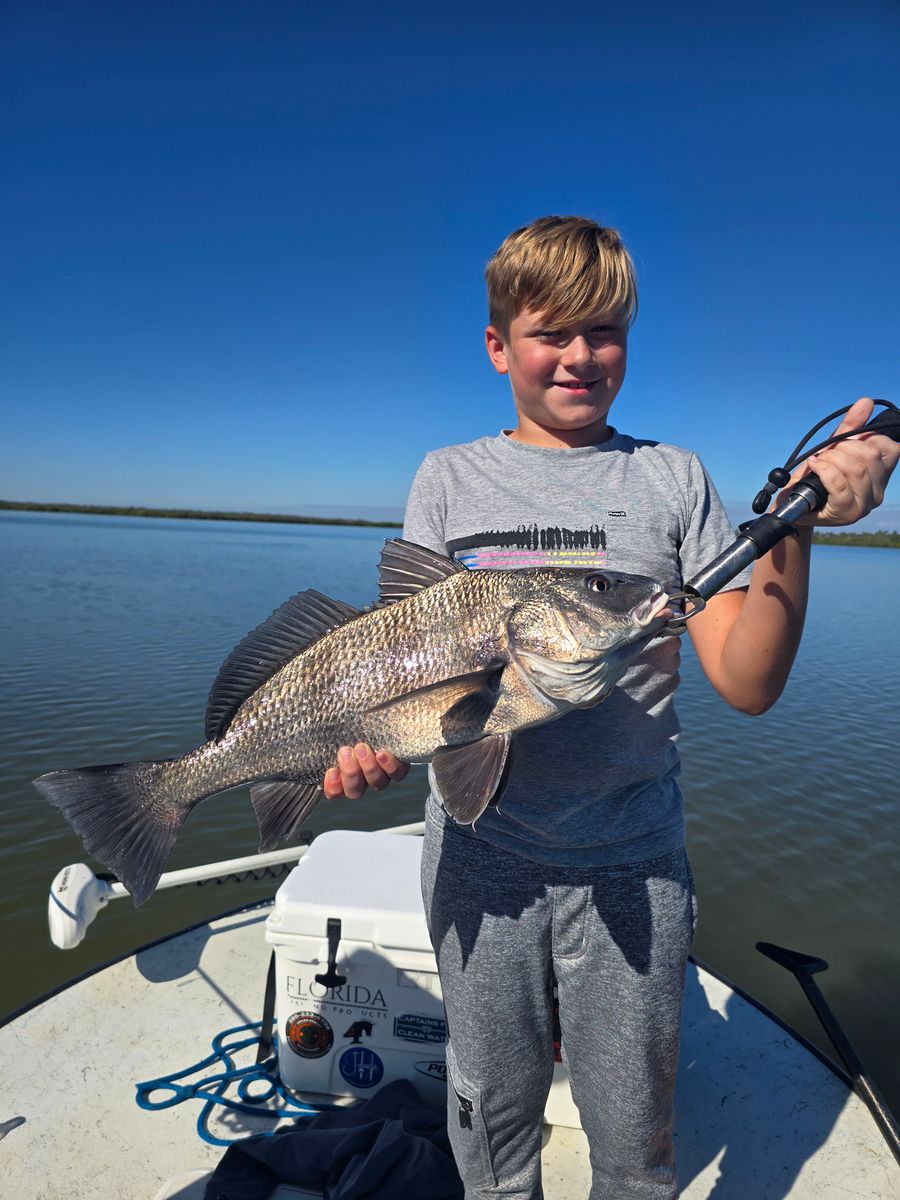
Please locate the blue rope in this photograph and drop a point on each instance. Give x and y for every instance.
(280, 1103)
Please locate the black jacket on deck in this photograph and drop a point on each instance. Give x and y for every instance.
(393, 1147)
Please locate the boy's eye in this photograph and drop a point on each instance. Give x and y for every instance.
(559, 337)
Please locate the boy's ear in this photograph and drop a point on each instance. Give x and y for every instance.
(495, 343)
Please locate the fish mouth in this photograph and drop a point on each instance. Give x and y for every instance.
(655, 606)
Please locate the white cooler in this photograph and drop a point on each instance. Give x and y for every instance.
(358, 999)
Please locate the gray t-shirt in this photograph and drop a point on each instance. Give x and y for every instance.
(598, 786)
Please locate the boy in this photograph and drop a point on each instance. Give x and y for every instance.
(580, 876)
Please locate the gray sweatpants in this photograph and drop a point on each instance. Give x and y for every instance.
(616, 941)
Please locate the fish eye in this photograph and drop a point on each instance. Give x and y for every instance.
(596, 583)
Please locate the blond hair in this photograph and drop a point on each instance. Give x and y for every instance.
(567, 268)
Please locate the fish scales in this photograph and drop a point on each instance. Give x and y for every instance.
(319, 701)
(323, 698)
(452, 663)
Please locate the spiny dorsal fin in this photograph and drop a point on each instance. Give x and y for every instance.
(405, 568)
(469, 777)
(299, 622)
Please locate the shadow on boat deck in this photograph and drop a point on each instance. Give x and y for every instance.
(753, 1105)
(180, 958)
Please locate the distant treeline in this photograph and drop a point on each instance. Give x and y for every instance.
(883, 538)
(194, 514)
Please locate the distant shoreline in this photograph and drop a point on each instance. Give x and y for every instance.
(885, 539)
(882, 538)
(193, 514)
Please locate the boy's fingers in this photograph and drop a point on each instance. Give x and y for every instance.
(375, 777)
(331, 784)
(360, 767)
(860, 465)
(353, 780)
(392, 766)
(857, 415)
(854, 472)
(855, 475)
(853, 419)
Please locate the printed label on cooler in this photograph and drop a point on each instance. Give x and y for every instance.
(415, 1027)
(361, 1067)
(308, 1034)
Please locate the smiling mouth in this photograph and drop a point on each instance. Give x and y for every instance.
(577, 385)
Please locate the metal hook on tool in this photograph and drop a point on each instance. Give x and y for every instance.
(688, 596)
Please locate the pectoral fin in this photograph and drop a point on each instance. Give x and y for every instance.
(469, 777)
(462, 705)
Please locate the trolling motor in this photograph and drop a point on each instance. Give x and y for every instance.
(756, 538)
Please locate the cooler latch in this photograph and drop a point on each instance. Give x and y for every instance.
(331, 978)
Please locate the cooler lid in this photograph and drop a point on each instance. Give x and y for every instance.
(370, 881)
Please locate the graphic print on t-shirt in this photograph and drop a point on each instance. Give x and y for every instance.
(531, 546)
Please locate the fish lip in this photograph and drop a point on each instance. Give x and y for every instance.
(650, 609)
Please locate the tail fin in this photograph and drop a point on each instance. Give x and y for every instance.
(122, 816)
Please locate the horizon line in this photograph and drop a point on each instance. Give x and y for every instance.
(197, 514)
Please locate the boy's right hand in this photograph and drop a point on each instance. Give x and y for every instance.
(359, 767)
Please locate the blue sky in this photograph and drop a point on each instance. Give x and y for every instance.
(244, 244)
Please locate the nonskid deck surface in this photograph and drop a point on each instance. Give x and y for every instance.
(758, 1115)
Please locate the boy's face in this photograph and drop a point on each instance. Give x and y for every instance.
(563, 381)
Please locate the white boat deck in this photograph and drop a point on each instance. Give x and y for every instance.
(760, 1117)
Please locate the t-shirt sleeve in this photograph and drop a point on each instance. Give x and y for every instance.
(426, 508)
(709, 530)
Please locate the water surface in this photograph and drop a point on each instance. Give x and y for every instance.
(112, 629)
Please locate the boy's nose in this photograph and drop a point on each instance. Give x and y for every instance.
(577, 352)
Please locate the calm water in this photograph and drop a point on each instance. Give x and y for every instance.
(112, 629)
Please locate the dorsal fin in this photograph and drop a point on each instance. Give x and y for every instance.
(299, 622)
(405, 568)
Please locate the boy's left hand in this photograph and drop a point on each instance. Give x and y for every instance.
(855, 473)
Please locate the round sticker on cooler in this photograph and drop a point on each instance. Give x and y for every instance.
(308, 1034)
(361, 1068)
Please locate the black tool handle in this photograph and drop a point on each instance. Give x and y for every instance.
(886, 423)
(757, 538)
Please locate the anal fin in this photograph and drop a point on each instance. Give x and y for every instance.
(280, 806)
(470, 777)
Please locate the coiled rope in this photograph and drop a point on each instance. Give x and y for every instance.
(260, 1092)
